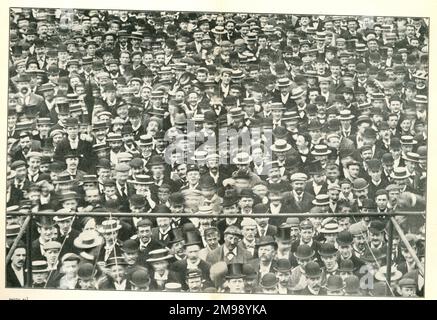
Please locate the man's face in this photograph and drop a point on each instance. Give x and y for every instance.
(192, 252)
(314, 282)
(212, 240)
(25, 144)
(249, 232)
(72, 163)
(381, 201)
(18, 258)
(178, 248)
(246, 203)
(298, 186)
(360, 241)
(70, 268)
(34, 164)
(266, 253)
(236, 285)
(284, 278)
(345, 251)
(194, 284)
(65, 225)
(46, 232)
(231, 241)
(408, 292)
(131, 257)
(145, 233)
(51, 256)
(376, 238)
(306, 235)
(329, 261)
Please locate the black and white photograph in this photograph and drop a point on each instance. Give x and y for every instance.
(216, 152)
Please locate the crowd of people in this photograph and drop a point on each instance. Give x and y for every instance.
(117, 117)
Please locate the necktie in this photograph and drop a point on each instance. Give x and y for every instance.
(123, 191)
(230, 255)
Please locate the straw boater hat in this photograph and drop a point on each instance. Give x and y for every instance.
(280, 145)
(159, 255)
(88, 239)
(110, 225)
(242, 158)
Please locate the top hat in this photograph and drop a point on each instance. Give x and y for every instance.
(235, 271)
(283, 233)
(193, 238)
(177, 235)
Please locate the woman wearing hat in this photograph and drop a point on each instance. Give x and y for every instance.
(158, 260)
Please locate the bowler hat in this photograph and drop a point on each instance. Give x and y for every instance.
(283, 265)
(344, 238)
(130, 246)
(140, 278)
(304, 251)
(334, 283)
(265, 241)
(346, 265)
(86, 271)
(269, 280)
(327, 249)
(313, 270)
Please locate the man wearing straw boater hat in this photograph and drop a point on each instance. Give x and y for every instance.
(109, 229)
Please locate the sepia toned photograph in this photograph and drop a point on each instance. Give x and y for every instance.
(216, 152)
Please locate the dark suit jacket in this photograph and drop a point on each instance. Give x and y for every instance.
(304, 206)
(68, 245)
(180, 268)
(144, 253)
(310, 188)
(255, 264)
(88, 161)
(36, 251)
(217, 255)
(108, 284)
(172, 277)
(271, 231)
(11, 278)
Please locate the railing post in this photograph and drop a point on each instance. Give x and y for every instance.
(29, 251)
(389, 257)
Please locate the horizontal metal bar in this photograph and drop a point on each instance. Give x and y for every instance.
(238, 215)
